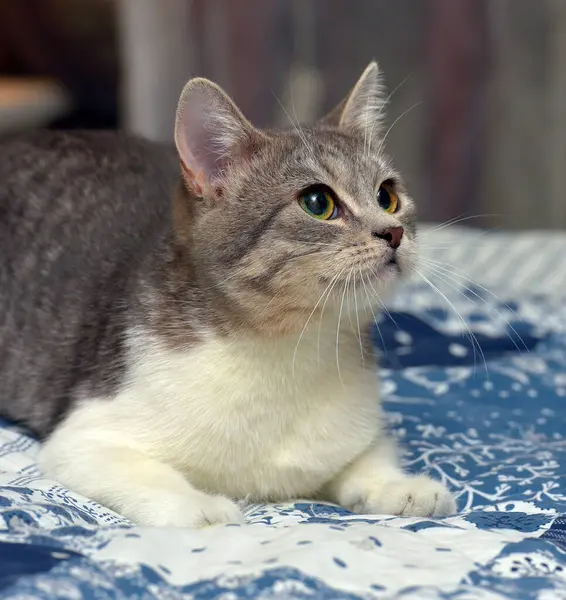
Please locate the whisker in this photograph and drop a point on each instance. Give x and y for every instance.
(348, 290)
(461, 219)
(245, 268)
(452, 242)
(381, 110)
(442, 274)
(328, 289)
(308, 243)
(403, 114)
(397, 87)
(384, 308)
(461, 273)
(273, 298)
(335, 280)
(472, 337)
(478, 234)
(366, 124)
(450, 245)
(338, 338)
(373, 313)
(449, 221)
(362, 353)
(296, 125)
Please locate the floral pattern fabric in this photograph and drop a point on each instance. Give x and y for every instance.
(474, 383)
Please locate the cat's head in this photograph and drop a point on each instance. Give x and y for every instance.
(283, 223)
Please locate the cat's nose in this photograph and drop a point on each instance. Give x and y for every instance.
(392, 235)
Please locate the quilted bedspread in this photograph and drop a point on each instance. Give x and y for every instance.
(474, 383)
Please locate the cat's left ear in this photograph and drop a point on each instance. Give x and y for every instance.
(210, 134)
(364, 107)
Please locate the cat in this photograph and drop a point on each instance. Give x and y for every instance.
(186, 327)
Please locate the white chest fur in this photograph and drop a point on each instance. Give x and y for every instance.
(260, 420)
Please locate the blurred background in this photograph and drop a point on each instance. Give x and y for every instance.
(477, 113)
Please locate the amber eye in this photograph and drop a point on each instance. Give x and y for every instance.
(387, 198)
(318, 202)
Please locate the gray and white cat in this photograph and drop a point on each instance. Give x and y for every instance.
(187, 341)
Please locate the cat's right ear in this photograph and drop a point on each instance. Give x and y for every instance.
(363, 108)
(210, 134)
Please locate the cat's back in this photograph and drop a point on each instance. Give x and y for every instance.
(78, 211)
(56, 179)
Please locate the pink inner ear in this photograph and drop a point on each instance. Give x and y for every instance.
(189, 132)
(194, 181)
(210, 133)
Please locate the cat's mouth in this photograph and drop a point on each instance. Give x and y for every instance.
(392, 266)
(387, 267)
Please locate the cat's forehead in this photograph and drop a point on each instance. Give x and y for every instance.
(334, 156)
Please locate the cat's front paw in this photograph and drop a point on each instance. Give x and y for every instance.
(417, 496)
(194, 510)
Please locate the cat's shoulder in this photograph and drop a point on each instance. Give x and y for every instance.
(73, 149)
(86, 186)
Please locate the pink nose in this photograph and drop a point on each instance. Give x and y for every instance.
(392, 235)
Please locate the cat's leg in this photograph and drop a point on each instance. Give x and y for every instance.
(102, 465)
(375, 484)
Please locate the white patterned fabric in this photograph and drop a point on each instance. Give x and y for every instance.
(484, 410)
(514, 263)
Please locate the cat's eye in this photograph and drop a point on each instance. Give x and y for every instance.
(319, 203)
(387, 198)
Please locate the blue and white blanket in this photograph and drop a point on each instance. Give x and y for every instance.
(484, 410)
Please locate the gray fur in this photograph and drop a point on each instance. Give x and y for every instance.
(99, 238)
(78, 215)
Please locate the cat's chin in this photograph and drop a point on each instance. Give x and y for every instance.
(386, 275)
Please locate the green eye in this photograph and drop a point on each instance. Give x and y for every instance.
(319, 203)
(387, 198)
